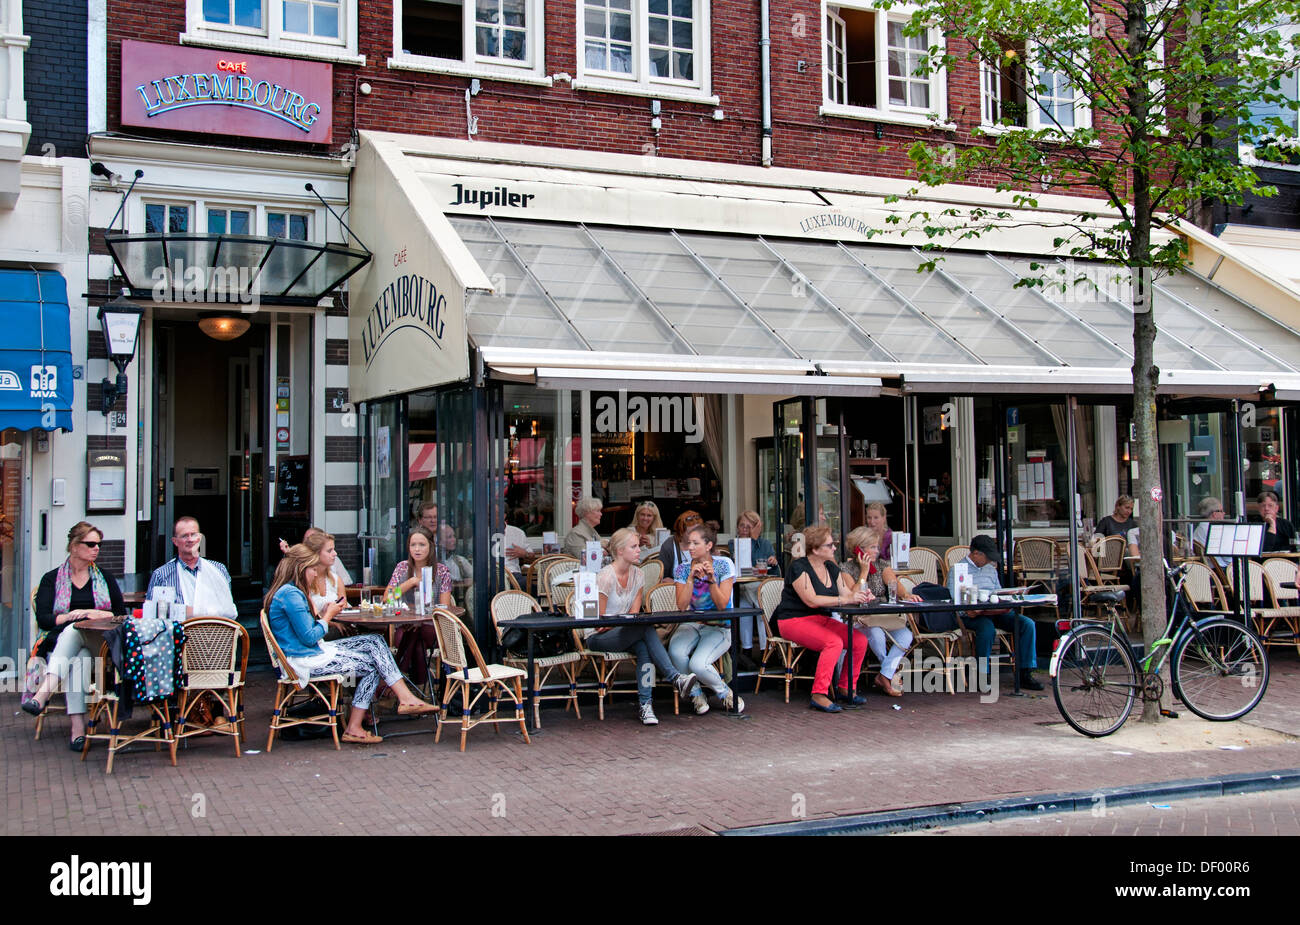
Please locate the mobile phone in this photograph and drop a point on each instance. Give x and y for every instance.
(857, 551)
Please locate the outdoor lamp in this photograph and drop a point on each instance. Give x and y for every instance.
(223, 327)
(121, 323)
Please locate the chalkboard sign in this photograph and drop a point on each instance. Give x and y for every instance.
(293, 485)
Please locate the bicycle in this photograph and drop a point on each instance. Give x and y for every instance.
(1219, 668)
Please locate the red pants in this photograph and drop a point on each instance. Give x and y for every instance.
(828, 638)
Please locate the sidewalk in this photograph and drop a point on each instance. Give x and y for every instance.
(691, 773)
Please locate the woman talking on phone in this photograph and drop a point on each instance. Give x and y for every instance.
(870, 570)
(77, 590)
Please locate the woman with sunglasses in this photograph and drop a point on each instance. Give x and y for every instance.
(77, 590)
(813, 585)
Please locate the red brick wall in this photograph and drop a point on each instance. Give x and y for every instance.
(559, 116)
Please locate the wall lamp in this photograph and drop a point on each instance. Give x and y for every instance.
(120, 321)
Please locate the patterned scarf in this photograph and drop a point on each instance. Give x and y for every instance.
(63, 588)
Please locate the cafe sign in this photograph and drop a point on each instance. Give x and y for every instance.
(221, 92)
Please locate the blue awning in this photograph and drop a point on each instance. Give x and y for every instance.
(35, 351)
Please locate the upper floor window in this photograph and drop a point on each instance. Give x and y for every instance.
(502, 36)
(644, 45)
(1023, 91)
(870, 65)
(312, 28)
(1271, 133)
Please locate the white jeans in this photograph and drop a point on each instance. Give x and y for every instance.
(889, 658)
(72, 663)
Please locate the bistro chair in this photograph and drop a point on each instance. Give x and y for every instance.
(1110, 551)
(103, 705)
(1204, 589)
(605, 665)
(290, 692)
(1035, 560)
(1279, 624)
(928, 561)
(536, 570)
(951, 556)
(653, 572)
(466, 670)
(943, 644)
(213, 666)
(558, 566)
(661, 597)
(505, 607)
(50, 705)
(511, 581)
(768, 595)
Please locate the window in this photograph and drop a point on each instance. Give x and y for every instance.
(1009, 98)
(229, 221)
(644, 46)
(310, 28)
(1273, 118)
(288, 225)
(491, 37)
(165, 218)
(870, 66)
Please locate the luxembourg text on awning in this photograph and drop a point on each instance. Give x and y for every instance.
(36, 351)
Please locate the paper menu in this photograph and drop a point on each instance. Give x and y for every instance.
(426, 589)
(592, 556)
(585, 594)
(163, 594)
(743, 549)
(900, 548)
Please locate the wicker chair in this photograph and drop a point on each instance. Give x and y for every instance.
(536, 573)
(1203, 588)
(556, 567)
(465, 670)
(288, 692)
(769, 595)
(213, 666)
(1035, 557)
(653, 572)
(104, 704)
(1278, 624)
(929, 562)
(1109, 552)
(661, 597)
(50, 705)
(951, 556)
(505, 607)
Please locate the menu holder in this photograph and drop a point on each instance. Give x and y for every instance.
(586, 595)
(592, 555)
(743, 549)
(163, 594)
(550, 542)
(900, 548)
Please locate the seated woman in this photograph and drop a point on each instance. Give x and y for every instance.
(877, 517)
(813, 585)
(647, 523)
(412, 642)
(328, 596)
(300, 635)
(672, 552)
(588, 511)
(703, 583)
(621, 585)
(76, 590)
(866, 560)
(750, 526)
(1120, 522)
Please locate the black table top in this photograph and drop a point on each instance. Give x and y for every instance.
(540, 621)
(876, 607)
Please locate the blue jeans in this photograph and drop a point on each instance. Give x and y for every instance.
(984, 629)
(643, 642)
(889, 654)
(695, 647)
(746, 598)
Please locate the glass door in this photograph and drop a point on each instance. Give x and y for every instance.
(934, 465)
(384, 529)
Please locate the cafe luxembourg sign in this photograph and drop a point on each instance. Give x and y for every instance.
(227, 93)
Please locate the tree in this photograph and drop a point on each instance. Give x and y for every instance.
(1137, 104)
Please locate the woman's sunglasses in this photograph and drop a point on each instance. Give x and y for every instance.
(93, 544)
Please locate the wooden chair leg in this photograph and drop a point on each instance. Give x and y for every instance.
(464, 714)
(519, 702)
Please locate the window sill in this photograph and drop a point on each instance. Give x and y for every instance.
(1049, 136)
(889, 117)
(335, 54)
(658, 92)
(1246, 154)
(457, 69)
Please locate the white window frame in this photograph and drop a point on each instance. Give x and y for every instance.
(316, 216)
(936, 115)
(168, 205)
(532, 70)
(288, 212)
(272, 39)
(991, 88)
(639, 83)
(228, 207)
(1246, 151)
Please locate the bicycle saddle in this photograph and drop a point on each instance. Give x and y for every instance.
(1106, 597)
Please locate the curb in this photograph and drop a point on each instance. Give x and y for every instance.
(928, 817)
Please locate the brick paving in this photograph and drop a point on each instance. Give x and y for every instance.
(1272, 812)
(616, 777)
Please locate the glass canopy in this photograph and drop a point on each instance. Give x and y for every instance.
(651, 291)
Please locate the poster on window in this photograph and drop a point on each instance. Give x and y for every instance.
(384, 453)
(932, 425)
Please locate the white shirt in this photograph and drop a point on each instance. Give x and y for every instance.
(207, 593)
(513, 537)
(333, 589)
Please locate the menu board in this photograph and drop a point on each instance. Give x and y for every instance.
(293, 485)
(1234, 540)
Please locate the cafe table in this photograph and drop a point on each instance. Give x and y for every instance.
(880, 608)
(534, 622)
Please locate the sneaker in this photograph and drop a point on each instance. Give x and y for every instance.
(701, 703)
(732, 702)
(648, 717)
(684, 683)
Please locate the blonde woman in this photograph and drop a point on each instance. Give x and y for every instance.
(328, 595)
(621, 585)
(646, 522)
(877, 516)
(867, 568)
(300, 635)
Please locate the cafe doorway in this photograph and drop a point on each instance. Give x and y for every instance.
(211, 427)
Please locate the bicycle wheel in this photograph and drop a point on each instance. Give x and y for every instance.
(1220, 670)
(1096, 682)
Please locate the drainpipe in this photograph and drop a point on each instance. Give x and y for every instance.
(765, 58)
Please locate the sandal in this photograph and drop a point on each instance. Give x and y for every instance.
(416, 709)
(886, 686)
(365, 738)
